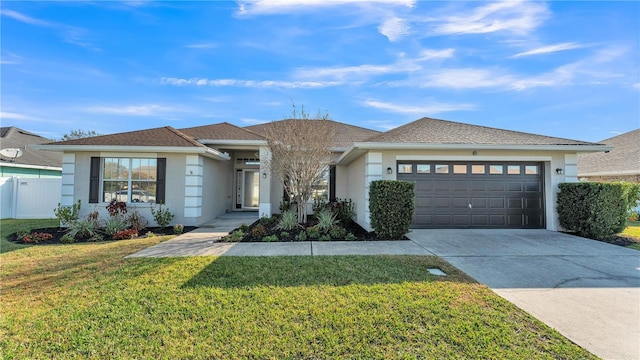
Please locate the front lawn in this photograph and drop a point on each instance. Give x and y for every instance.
(87, 301)
(633, 232)
(10, 226)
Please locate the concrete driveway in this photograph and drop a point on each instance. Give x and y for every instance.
(587, 290)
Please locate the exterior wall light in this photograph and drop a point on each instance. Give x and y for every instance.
(559, 171)
(389, 170)
(264, 175)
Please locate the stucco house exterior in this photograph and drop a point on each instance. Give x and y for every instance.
(621, 163)
(466, 175)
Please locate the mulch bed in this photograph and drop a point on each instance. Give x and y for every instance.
(58, 233)
(271, 229)
(618, 240)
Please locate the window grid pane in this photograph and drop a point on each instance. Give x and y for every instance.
(496, 169)
(513, 169)
(477, 169)
(405, 168)
(459, 169)
(424, 168)
(442, 169)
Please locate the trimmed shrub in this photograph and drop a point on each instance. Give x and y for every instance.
(161, 215)
(337, 232)
(595, 210)
(391, 204)
(302, 236)
(67, 239)
(67, 214)
(270, 238)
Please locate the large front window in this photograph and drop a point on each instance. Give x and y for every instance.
(129, 179)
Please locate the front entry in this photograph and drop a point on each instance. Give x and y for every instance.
(247, 189)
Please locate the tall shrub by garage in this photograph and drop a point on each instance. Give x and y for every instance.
(391, 204)
(595, 210)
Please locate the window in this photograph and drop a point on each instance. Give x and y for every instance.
(459, 169)
(320, 189)
(513, 169)
(531, 170)
(424, 168)
(442, 169)
(405, 168)
(496, 169)
(477, 169)
(129, 180)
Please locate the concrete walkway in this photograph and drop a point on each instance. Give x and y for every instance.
(587, 290)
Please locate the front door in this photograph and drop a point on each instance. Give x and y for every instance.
(250, 188)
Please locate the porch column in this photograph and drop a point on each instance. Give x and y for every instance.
(264, 208)
(372, 172)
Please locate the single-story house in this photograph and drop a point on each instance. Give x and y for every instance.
(466, 176)
(622, 163)
(32, 163)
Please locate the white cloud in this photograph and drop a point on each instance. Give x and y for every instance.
(428, 108)
(520, 17)
(394, 28)
(14, 116)
(549, 49)
(251, 121)
(204, 45)
(636, 85)
(430, 54)
(249, 83)
(268, 7)
(71, 34)
(133, 110)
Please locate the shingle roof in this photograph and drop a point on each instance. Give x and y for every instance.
(624, 157)
(164, 136)
(434, 131)
(222, 131)
(13, 137)
(345, 134)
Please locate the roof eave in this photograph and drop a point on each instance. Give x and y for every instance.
(221, 143)
(358, 148)
(29, 166)
(206, 151)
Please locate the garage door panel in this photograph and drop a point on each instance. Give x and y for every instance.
(461, 220)
(514, 186)
(442, 202)
(496, 203)
(532, 187)
(460, 203)
(479, 220)
(460, 186)
(498, 199)
(442, 185)
(479, 203)
(514, 203)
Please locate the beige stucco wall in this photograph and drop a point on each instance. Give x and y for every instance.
(214, 196)
(355, 188)
(217, 189)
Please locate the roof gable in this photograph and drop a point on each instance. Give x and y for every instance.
(222, 131)
(434, 131)
(345, 134)
(163, 136)
(623, 158)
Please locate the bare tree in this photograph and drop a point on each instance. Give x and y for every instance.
(79, 134)
(300, 154)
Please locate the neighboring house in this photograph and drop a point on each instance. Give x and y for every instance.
(466, 176)
(33, 163)
(622, 163)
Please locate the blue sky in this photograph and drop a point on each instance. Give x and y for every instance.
(569, 69)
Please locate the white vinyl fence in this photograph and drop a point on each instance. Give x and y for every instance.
(29, 198)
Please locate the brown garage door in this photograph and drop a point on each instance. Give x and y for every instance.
(476, 194)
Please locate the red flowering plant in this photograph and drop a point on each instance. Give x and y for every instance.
(36, 238)
(125, 234)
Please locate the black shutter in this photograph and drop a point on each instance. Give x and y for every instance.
(94, 180)
(332, 183)
(161, 180)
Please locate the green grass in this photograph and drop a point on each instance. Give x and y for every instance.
(10, 226)
(633, 231)
(87, 301)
